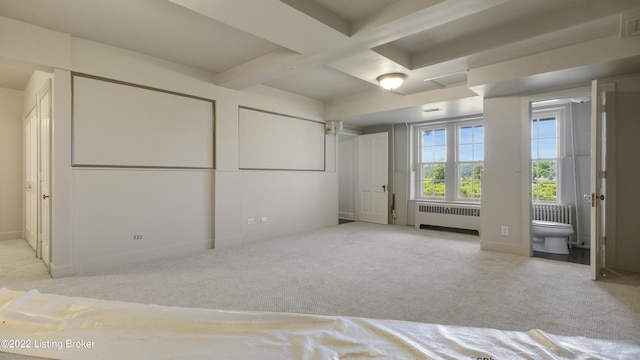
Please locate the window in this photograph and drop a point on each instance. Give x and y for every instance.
(433, 161)
(470, 158)
(544, 156)
(450, 160)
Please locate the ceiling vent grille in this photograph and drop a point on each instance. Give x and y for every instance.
(630, 25)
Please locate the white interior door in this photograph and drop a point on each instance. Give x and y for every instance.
(373, 178)
(598, 179)
(31, 179)
(44, 114)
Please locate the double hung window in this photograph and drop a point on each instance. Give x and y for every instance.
(433, 161)
(544, 156)
(450, 160)
(470, 160)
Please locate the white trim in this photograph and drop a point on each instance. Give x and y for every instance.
(561, 114)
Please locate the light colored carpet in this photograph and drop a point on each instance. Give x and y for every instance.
(18, 263)
(378, 271)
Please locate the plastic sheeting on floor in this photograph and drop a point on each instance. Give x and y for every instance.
(62, 327)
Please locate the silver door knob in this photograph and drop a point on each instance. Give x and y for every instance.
(45, 197)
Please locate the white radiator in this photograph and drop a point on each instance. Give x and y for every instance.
(559, 213)
(448, 215)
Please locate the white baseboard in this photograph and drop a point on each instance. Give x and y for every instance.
(515, 249)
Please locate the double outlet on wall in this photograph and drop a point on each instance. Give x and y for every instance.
(251, 221)
(504, 230)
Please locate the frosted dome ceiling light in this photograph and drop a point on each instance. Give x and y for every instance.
(391, 81)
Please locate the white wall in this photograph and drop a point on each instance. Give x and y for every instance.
(504, 188)
(11, 158)
(170, 209)
(291, 201)
(37, 80)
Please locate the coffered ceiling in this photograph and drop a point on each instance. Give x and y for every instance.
(332, 50)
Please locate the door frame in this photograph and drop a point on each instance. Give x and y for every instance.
(603, 96)
(354, 172)
(44, 106)
(527, 203)
(30, 162)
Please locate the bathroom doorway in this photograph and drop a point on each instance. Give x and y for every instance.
(560, 166)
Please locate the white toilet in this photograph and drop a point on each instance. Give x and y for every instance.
(551, 237)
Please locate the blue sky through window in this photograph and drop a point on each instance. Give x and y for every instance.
(434, 147)
(471, 143)
(545, 142)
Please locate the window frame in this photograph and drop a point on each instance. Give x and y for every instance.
(452, 162)
(458, 127)
(420, 163)
(559, 113)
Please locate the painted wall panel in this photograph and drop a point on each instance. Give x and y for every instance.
(171, 210)
(139, 126)
(279, 142)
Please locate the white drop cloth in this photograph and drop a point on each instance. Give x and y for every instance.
(62, 327)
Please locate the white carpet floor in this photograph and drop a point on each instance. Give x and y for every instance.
(377, 271)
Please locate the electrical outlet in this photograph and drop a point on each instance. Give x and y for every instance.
(137, 237)
(505, 231)
(251, 221)
(263, 219)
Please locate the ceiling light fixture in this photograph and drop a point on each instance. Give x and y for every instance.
(391, 81)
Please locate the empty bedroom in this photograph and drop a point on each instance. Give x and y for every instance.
(325, 179)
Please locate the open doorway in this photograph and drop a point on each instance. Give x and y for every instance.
(560, 167)
(25, 94)
(347, 151)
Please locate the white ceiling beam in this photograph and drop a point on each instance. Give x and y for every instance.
(380, 100)
(263, 69)
(589, 19)
(272, 20)
(394, 54)
(313, 9)
(568, 65)
(319, 43)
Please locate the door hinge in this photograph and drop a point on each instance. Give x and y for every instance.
(603, 108)
(603, 174)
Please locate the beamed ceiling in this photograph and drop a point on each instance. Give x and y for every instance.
(453, 51)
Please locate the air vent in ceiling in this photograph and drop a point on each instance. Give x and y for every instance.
(630, 24)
